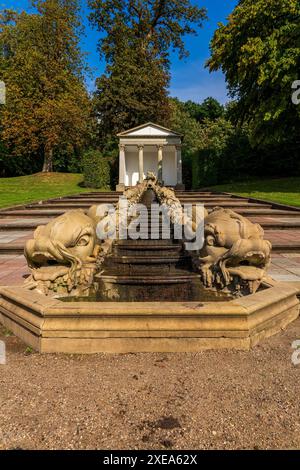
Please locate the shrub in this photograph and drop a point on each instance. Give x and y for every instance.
(96, 170)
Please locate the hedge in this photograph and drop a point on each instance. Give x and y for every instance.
(96, 170)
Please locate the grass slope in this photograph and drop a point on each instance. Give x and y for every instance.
(283, 190)
(24, 189)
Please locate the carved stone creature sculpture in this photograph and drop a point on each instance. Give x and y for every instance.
(168, 199)
(62, 255)
(133, 195)
(151, 177)
(107, 224)
(235, 256)
(170, 203)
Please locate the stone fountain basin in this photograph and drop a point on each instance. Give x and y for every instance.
(53, 326)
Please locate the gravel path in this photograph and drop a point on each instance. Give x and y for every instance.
(208, 400)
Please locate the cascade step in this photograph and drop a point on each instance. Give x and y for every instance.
(271, 212)
(280, 224)
(146, 260)
(154, 243)
(150, 279)
(166, 250)
(147, 245)
(155, 259)
(31, 213)
(66, 206)
(116, 198)
(177, 287)
(90, 202)
(42, 212)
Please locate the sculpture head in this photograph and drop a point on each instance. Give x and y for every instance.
(68, 239)
(223, 228)
(234, 252)
(60, 255)
(151, 177)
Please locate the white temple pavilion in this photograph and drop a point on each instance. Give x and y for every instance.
(150, 147)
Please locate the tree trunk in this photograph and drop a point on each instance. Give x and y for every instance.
(48, 161)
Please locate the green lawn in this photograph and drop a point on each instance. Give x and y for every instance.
(23, 189)
(283, 190)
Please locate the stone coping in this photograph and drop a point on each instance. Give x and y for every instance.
(51, 325)
(46, 306)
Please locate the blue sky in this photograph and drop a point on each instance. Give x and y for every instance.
(190, 79)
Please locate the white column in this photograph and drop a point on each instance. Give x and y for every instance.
(179, 164)
(159, 162)
(2, 92)
(141, 163)
(122, 165)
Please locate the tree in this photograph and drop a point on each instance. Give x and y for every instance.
(133, 90)
(136, 41)
(224, 153)
(259, 52)
(41, 63)
(210, 108)
(214, 150)
(182, 122)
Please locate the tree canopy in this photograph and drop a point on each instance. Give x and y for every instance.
(132, 91)
(210, 108)
(258, 49)
(136, 41)
(153, 25)
(42, 66)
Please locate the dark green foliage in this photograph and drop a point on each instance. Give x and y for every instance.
(186, 118)
(114, 170)
(13, 165)
(258, 50)
(66, 162)
(225, 154)
(132, 91)
(210, 108)
(27, 165)
(184, 123)
(96, 170)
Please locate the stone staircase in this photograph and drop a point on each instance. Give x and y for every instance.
(281, 223)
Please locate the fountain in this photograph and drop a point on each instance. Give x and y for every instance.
(93, 290)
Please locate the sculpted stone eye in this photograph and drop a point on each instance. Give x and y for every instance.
(83, 241)
(210, 240)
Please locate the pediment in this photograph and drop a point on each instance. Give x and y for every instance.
(149, 130)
